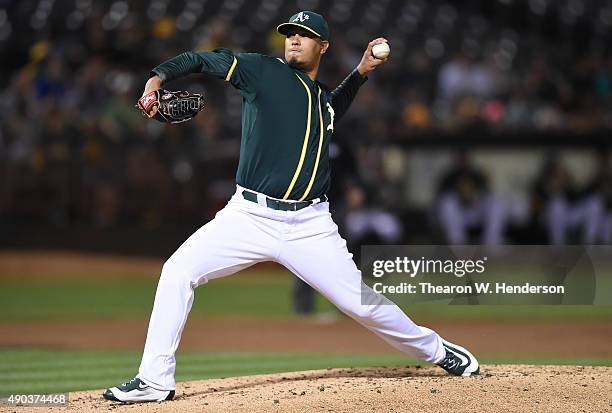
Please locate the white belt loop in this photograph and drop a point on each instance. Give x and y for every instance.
(261, 199)
(318, 200)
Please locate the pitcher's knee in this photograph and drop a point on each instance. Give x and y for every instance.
(174, 273)
(357, 310)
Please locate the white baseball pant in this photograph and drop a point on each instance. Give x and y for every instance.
(244, 233)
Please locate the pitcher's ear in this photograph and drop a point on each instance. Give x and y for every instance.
(325, 45)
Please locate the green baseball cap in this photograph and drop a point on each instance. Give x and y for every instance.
(308, 20)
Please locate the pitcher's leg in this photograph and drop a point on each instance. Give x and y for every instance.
(325, 263)
(225, 245)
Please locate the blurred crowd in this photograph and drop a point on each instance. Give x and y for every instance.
(74, 150)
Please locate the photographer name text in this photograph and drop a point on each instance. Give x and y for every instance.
(476, 288)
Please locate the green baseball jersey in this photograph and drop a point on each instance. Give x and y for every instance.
(287, 119)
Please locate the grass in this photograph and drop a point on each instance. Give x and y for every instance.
(47, 371)
(251, 294)
(44, 370)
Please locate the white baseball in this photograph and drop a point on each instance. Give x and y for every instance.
(381, 50)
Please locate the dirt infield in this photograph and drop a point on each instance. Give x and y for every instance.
(67, 265)
(500, 388)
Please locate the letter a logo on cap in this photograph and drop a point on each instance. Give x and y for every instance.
(301, 17)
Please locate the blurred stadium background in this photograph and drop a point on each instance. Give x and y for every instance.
(490, 124)
(524, 88)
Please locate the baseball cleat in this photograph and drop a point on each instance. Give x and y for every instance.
(458, 361)
(136, 390)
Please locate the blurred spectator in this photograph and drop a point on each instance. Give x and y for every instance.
(416, 115)
(462, 76)
(560, 207)
(51, 79)
(465, 202)
(363, 220)
(518, 113)
(597, 198)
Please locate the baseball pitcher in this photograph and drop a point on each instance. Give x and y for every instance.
(280, 210)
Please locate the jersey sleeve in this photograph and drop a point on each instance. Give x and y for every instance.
(245, 73)
(241, 70)
(342, 96)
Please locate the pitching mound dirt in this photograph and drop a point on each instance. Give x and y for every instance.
(499, 388)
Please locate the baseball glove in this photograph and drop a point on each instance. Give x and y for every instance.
(172, 107)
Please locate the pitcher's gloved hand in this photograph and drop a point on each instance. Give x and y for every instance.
(172, 107)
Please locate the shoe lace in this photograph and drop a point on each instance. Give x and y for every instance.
(128, 382)
(450, 362)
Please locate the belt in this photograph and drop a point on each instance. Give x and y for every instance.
(279, 205)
